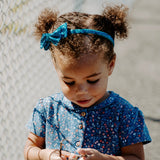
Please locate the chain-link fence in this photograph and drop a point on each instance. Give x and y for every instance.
(25, 75)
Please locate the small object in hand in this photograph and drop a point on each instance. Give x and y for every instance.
(60, 149)
(80, 157)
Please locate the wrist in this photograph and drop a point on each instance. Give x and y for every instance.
(47, 154)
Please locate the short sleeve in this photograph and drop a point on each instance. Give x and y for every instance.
(37, 122)
(133, 128)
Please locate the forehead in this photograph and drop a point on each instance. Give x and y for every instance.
(86, 62)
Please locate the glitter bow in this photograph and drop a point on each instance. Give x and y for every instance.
(55, 37)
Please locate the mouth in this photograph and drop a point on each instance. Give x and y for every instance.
(85, 101)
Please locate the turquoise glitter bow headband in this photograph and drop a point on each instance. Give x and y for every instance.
(62, 32)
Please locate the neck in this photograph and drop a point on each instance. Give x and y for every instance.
(106, 95)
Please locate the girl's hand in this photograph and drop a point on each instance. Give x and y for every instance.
(91, 154)
(53, 154)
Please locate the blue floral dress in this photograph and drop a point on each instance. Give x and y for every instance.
(107, 127)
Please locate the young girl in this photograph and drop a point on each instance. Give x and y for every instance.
(84, 121)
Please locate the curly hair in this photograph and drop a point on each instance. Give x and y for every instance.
(113, 21)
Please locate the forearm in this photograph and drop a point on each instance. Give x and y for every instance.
(36, 153)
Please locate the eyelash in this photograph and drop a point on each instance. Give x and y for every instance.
(69, 83)
(93, 82)
(90, 82)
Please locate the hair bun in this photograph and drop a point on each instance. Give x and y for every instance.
(117, 15)
(45, 23)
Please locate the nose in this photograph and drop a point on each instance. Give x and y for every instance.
(81, 89)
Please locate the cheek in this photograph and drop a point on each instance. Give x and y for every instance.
(99, 88)
(67, 91)
(64, 88)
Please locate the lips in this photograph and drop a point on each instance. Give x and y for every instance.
(84, 101)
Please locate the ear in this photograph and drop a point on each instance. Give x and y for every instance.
(111, 65)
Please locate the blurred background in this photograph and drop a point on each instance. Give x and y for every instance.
(27, 73)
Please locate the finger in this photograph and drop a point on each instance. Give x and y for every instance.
(64, 158)
(55, 158)
(85, 151)
(73, 156)
(66, 154)
(54, 154)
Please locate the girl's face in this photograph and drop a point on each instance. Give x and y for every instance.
(84, 81)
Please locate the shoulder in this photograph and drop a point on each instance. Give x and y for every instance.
(55, 98)
(129, 115)
(46, 104)
(123, 106)
(120, 101)
(132, 127)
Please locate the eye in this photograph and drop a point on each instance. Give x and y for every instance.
(93, 82)
(69, 83)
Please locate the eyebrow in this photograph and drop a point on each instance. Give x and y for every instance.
(92, 75)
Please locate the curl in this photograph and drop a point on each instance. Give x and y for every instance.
(45, 22)
(117, 15)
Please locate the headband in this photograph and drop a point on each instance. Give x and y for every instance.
(62, 32)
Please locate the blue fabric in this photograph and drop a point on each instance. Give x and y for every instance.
(107, 127)
(55, 37)
(63, 32)
(91, 31)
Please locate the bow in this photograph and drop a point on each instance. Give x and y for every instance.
(55, 37)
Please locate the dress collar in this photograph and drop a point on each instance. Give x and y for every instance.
(105, 103)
